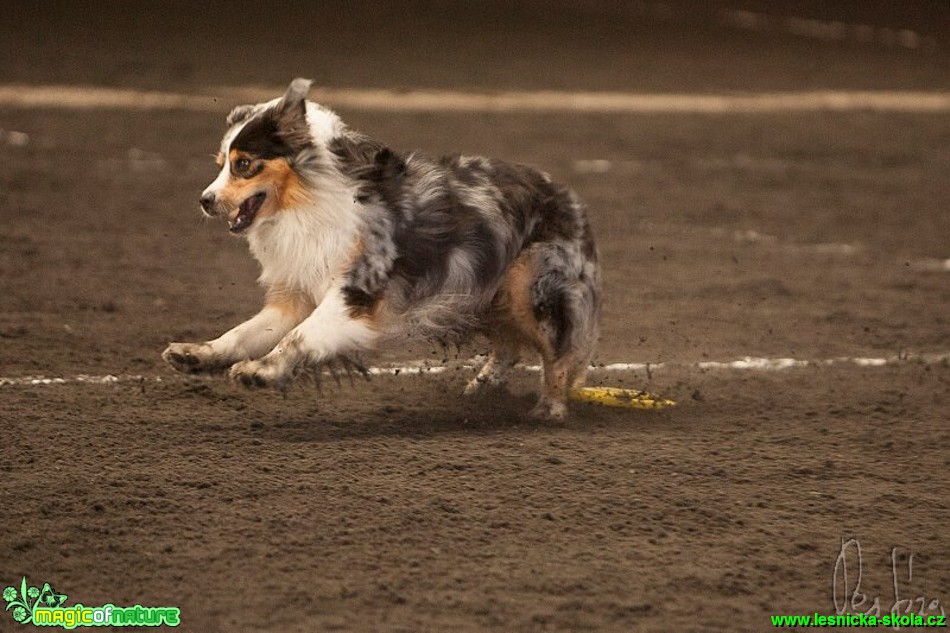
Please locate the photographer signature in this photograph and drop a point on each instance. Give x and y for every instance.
(846, 585)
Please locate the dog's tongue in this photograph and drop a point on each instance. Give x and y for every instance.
(246, 213)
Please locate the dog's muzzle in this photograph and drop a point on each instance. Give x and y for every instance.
(207, 203)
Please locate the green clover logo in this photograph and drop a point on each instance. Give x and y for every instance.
(25, 600)
(53, 599)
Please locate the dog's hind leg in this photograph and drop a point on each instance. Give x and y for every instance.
(558, 375)
(494, 372)
(553, 300)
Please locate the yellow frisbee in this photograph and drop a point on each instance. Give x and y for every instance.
(618, 397)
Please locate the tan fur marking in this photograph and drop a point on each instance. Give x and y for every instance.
(236, 191)
(234, 155)
(374, 316)
(562, 374)
(291, 302)
(277, 178)
(291, 192)
(520, 311)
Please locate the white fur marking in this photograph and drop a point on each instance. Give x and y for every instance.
(255, 337)
(330, 330)
(308, 247)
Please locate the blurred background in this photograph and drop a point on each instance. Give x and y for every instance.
(816, 235)
(738, 209)
(641, 45)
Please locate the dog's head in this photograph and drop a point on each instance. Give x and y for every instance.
(265, 158)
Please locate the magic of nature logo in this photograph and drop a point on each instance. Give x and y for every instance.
(44, 606)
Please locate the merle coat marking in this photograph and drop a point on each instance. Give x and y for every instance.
(358, 243)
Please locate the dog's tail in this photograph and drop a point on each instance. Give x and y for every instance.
(566, 300)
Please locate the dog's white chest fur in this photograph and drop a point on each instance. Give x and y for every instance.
(307, 249)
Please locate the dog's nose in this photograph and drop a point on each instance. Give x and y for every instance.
(207, 201)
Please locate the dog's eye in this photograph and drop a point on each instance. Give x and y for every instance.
(242, 164)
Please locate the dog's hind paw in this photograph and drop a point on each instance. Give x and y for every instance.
(549, 410)
(477, 386)
(193, 358)
(473, 387)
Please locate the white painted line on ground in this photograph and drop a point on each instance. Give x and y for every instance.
(410, 369)
(750, 363)
(415, 368)
(932, 265)
(83, 379)
(223, 98)
(828, 30)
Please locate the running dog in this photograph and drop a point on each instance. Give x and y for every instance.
(358, 244)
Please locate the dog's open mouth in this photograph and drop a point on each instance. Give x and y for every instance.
(246, 212)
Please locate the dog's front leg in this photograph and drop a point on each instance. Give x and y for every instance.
(332, 329)
(251, 339)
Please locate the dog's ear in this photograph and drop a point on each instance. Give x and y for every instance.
(291, 113)
(238, 114)
(296, 92)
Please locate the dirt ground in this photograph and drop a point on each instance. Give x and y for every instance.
(395, 505)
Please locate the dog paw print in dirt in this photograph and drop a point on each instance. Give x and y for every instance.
(25, 600)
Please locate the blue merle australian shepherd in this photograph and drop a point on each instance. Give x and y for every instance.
(358, 244)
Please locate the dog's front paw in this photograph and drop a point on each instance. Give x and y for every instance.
(193, 358)
(259, 373)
